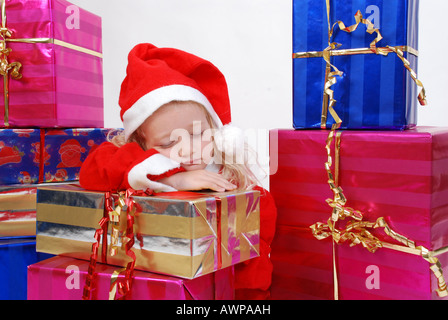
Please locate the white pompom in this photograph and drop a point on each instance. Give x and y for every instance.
(230, 139)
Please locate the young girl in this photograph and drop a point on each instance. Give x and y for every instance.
(175, 109)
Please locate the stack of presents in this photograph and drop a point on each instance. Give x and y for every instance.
(51, 114)
(361, 189)
(59, 241)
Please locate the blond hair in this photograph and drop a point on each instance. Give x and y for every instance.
(239, 174)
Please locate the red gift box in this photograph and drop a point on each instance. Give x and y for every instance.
(398, 175)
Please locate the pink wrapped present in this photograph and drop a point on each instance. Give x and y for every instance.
(55, 74)
(63, 278)
(397, 175)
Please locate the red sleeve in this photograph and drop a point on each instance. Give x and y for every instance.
(109, 167)
(257, 273)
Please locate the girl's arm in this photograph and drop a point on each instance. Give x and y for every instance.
(109, 168)
(198, 180)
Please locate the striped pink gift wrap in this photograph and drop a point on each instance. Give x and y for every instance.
(59, 48)
(63, 278)
(399, 175)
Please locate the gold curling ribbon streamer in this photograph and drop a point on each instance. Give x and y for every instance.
(114, 217)
(356, 230)
(127, 240)
(5, 66)
(407, 65)
(13, 68)
(330, 76)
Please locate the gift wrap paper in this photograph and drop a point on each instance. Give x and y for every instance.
(63, 278)
(62, 80)
(30, 156)
(15, 256)
(398, 175)
(17, 211)
(184, 234)
(375, 91)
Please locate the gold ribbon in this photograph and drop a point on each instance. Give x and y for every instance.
(352, 52)
(357, 231)
(124, 199)
(5, 66)
(13, 68)
(333, 50)
(114, 219)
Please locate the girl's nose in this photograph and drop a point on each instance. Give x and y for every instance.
(184, 152)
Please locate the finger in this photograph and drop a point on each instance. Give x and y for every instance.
(221, 183)
(220, 177)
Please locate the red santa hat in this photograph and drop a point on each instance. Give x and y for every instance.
(156, 76)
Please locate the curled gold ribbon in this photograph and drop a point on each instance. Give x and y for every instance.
(5, 66)
(114, 218)
(333, 50)
(357, 231)
(13, 69)
(121, 287)
(407, 65)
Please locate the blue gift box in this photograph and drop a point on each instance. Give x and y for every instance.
(375, 91)
(30, 156)
(15, 257)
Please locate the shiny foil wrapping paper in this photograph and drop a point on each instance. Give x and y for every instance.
(50, 280)
(398, 175)
(60, 86)
(17, 211)
(375, 91)
(184, 234)
(31, 156)
(15, 256)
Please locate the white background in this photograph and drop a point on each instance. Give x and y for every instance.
(250, 41)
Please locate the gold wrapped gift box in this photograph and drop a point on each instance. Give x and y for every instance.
(17, 211)
(183, 234)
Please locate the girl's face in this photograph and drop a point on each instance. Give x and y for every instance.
(181, 132)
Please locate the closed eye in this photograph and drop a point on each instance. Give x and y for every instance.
(169, 144)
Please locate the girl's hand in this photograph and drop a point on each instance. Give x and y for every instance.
(198, 180)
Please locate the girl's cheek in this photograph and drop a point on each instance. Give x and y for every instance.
(167, 152)
(207, 151)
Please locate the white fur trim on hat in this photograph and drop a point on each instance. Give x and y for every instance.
(230, 139)
(153, 100)
(154, 165)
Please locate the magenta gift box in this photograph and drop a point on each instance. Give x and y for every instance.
(401, 176)
(62, 77)
(63, 278)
